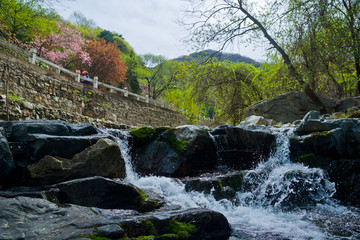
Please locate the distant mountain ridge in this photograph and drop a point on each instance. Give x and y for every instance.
(204, 55)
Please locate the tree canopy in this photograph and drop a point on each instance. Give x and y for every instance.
(314, 45)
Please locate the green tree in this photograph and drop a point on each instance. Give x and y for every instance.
(227, 21)
(223, 90)
(86, 25)
(133, 62)
(322, 38)
(21, 19)
(109, 36)
(158, 74)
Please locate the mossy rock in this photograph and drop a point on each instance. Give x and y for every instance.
(145, 135)
(308, 159)
(179, 229)
(175, 144)
(234, 181)
(155, 229)
(96, 236)
(148, 204)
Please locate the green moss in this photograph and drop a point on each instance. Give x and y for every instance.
(150, 237)
(323, 133)
(307, 158)
(150, 228)
(174, 143)
(146, 203)
(143, 136)
(171, 229)
(180, 229)
(167, 236)
(96, 236)
(91, 209)
(219, 184)
(143, 133)
(314, 135)
(236, 181)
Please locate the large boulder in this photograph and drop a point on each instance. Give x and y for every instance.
(191, 224)
(102, 193)
(22, 131)
(101, 159)
(35, 218)
(347, 103)
(32, 140)
(181, 151)
(325, 140)
(333, 145)
(7, 164)
(288, 107)
(242, 149)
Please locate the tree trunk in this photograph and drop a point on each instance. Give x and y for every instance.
(307, 89)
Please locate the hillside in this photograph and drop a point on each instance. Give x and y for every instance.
(204, 55)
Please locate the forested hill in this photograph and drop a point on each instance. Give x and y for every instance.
(204, 55)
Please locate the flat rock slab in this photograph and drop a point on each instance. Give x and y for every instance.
(33, 218)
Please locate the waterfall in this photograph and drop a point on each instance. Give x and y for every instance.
(122, 139)
(280, 199)
(279, 183)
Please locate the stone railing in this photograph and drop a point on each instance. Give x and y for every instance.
(33, 58)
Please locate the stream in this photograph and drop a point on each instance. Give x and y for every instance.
(280, 200)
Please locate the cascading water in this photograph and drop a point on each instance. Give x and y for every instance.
(280, 199)
(121, 137)
(280, 183)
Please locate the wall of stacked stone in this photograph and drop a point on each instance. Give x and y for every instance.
(35, 92)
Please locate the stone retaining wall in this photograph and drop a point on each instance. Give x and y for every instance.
(35, 92)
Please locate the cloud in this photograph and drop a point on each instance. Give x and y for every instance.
(150, 26)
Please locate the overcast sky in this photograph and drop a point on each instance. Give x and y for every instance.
(149, 26)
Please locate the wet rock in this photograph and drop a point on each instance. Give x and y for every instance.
(22, 131)
(32, 140)
(209, 224)
(32, 218)
(112, 231)
(287, 189)
(325, 140)
(346, 175)
(183, 151)
(100, 192)
(333, 145)
(102, 159)
(7, 164)
(242, 149)
(223, 186)
(188, 224)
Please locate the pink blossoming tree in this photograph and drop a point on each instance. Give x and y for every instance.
(65, 47)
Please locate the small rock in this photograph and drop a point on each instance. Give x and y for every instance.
(112, 231)
(28, 105)
(254, 120)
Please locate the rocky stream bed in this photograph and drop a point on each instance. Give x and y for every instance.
(75, 181)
